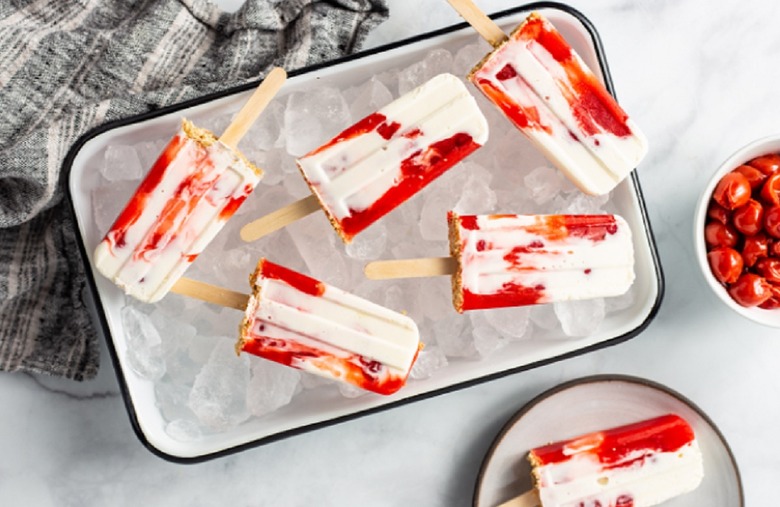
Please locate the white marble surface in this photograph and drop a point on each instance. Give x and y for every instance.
(700, 78)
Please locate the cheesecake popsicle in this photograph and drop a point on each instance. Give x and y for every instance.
(301, 322)
(384, 159)
(194, 187)
(637, 465)
(516, 260)
(547, 91)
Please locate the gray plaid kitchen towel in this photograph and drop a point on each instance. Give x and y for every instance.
(69, 65)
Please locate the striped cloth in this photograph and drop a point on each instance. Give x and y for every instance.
(69, 65)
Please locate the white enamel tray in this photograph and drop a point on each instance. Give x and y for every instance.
(593, 403)
(86, 157)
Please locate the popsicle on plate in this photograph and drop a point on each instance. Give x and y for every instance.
(636, 465)
(548, 92)
(193, 188)
(516, 260)
(384, 159)
(304, 323)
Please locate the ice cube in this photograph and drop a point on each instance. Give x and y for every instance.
(218, 396)
(433, 220)
(543, 316)
(201, 347)
(367, 98)
(172, 399)
(389, 78)
(454, 337)
(144, 345)
(121, 163)
(620, 303)
(515, 197)
(295, 186)
(173, 307)
(273, 174)
(266, 131)
(434, 63)
(580, 318)
(211, 320)
(476, 197)
(183, 430)
(173, 331)
(313, 117)
(402, 222)
(316, 243)
(369, 244)
(271, 387)
(270, 200)
(486, 340)
(511, 323)
(350, 391)
(544, 183)
(149, 151)
(397, 298)
(430, 360)
(231, 268)
(312, 381)
(434, 298)
(579, 203)
(467, 57)
(216, 123)
(177, 336)
(508, 148)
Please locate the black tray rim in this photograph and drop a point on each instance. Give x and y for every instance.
(594, 379)
(102, 323)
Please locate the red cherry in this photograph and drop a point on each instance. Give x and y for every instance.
(772, 221)
(732, 191)
(770, 269)
(767, 164)
(755, 247)
(774, 247)
(773, 302)
(753, 175)
(726, 264)
(749, 219)
(718, 234)
(770, 190)
(717, 212)
(750, 290)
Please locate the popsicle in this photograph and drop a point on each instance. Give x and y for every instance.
(515, 260)
(301, 322)
(193, 188)
(382, 160)
(548, 92)
(636, 465)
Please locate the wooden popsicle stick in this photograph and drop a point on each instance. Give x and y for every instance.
(210, 293)
(276, 220)
(253, 107)
(485, 26)
(410, 268)
(527, 499)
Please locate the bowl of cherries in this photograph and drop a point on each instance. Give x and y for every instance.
(737, 231)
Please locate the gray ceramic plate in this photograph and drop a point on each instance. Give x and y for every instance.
(594, 403)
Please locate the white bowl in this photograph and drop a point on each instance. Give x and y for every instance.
(763, 146)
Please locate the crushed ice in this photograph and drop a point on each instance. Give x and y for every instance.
(186, 347)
